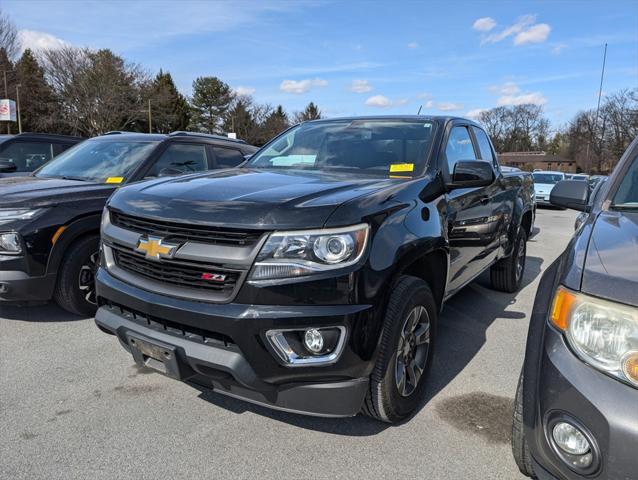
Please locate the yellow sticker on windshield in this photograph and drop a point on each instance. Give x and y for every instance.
(402, 167)
(114, 180)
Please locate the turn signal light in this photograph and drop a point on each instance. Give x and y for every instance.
(630, 367)
(562, 307)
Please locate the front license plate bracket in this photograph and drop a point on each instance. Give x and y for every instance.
(159, 356)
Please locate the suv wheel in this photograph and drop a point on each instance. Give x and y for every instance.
(75, 288)
(520, 448)
(397, 383)
(507, 274)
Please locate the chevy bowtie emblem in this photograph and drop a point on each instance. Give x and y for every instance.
(154, 248)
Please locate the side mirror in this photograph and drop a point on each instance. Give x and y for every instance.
(170, 172)
(572, 194)
(472, 173)
(7, 167)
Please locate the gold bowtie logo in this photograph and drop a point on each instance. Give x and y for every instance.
(154, 248)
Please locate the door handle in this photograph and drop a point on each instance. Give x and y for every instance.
(484, 200)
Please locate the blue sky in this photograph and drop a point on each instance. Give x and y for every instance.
(357, 58)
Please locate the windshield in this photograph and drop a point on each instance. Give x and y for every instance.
(548, 178)
(98, 161)
(626, 196)
(362, 146)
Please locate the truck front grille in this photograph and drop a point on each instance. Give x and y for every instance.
(186, 232)
(178, 272)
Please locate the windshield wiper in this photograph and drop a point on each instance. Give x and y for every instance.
(625, 206)
(66, 177)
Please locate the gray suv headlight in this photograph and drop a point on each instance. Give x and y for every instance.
(604, 334)
(307, 252)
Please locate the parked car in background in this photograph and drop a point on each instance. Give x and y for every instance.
(582, 216)
(544, 182)
(577, 176)
(49, 221)
(24, 153)
(576, 411)
(595, 180)
(310, 280)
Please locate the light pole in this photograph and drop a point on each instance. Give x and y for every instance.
(18, 107)
(6, 95)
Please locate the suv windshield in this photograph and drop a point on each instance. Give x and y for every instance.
(548, 178)
(364, 146)
(98, 161)
(626, 196)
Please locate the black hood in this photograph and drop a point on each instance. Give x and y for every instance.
(244, 198)
(39, 192)
(612, 257)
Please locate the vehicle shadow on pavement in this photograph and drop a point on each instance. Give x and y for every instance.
(48, 312)
(461, 334)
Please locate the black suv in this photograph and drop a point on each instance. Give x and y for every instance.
(311, 278)
(49, 221)
(577, 401)
(22, 154)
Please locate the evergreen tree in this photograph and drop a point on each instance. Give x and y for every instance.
(169, 108)
(211, 100)
(38, 106)
(275, 123)
(241, 119)
(311, 112)
(6, 71)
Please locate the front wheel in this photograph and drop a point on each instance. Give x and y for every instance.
(520, 448)
(75, 287)
(397, 383)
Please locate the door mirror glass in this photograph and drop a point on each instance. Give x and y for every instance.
(7, 166)
(572, 194)
(472, 173)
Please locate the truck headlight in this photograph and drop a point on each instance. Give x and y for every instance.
(10, 214)
(306, 252)
(604, 334)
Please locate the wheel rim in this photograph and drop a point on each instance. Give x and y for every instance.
(520, 260)
(86, 278)
(412, 351)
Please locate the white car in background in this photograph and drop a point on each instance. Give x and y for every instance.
(544, 182)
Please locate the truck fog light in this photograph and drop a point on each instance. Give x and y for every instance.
(313, 340)
(571, 440)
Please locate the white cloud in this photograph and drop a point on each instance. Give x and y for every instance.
(401, 101)
(413, 45)
(429, 104)
(449, 106)
(34, 40)
(301, 86)
(536, 98)
(244, 90)
(536, 34)
(557, 49)
(484, 24)
(379, 101)
(524, 31)
(424, 95)
(476, 113)
(360, 86)
(508, 88)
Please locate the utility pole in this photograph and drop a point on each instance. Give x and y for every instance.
(150, 124)
(6, 95)
(18, 107)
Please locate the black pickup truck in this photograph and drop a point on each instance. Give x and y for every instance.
(310, 279)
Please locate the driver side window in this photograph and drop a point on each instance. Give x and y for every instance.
(180, 158)
(459, 147)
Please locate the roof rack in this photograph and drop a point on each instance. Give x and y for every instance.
(117, 132)
(41, 134)
(181, 133)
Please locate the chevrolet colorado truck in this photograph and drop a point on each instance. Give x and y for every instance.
(310, 279)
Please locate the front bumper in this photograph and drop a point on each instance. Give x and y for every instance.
(18, 286)
(223, 346)
(607, 408)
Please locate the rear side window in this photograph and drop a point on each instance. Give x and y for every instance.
(483, 144)
(227, 157)
(27, 156)
(627, 194)
(180, 158)
(459, 147)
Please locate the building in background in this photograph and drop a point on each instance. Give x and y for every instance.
(530, 161)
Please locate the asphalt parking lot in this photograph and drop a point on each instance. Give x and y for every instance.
(73, 405)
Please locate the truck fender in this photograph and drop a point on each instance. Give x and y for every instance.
(74, 230)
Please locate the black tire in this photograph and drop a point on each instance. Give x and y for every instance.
(520, 448)
(507, 274)
(402, 352)
(73, 287)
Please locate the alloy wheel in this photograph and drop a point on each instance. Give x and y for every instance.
(412, 350)
(86, 278)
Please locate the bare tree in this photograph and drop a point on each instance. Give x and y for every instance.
(9, 36)
(516, 128)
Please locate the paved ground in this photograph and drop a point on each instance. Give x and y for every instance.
(73, 405)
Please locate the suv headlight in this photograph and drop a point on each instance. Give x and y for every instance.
(10, 214)
(306, 252)
(604, 334)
